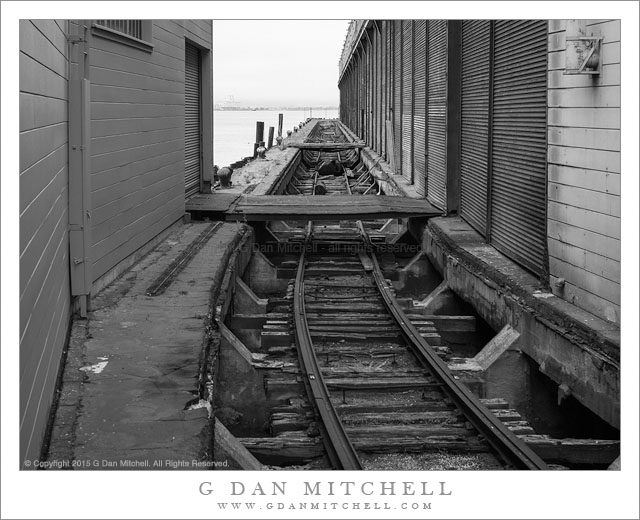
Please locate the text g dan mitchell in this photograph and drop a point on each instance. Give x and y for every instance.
(329, 488)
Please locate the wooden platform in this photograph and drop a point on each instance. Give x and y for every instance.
(251, 208)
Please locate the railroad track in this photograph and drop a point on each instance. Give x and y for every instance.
(353, 381)
(377, 390)
(354, 306)
(378, 385)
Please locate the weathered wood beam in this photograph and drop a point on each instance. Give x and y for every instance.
(328, 146)
(234, 448)
(574, 451)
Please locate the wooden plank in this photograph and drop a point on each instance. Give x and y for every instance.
(299, 207)
(327, 146)
(594, 138)
(135, 123)
(148, 68)
(609, 75)
(38, 143)
(120, 79)
(594, 263)
(219, 201)
(607, 225)
(585, 117)
(253, 321)
(38, 111)
(124, 158)
(499, 344)
(598, 286)
(289, 446)
(601, 97)
(610, 29)
(593, 303)
(574, 451)
(38, 177)
(587, 199)
(101, 110)
(602, 160)
(234, 448)
(36, 45)
(445, 323)
(110, 94)
(122, 142)
(604, 182)
(433, 297)
(584, 239)
(37, 78)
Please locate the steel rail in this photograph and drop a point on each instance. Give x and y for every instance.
(512, 449)
(337, 443)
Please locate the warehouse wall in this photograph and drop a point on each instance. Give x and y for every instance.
(485, 123)
(44, 246)
(584, 172)
(137, 137)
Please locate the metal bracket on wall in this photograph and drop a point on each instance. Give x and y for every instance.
(583, 55)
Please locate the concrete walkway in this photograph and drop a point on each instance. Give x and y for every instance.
(133, 366)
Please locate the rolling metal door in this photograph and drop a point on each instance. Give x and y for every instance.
(370, 93)
(397, 93)
(192, 126)
(518, 179)
(436, 112)
(384, 84)
(474, 140)
(407, 99)
(377, 85)
(420, 105)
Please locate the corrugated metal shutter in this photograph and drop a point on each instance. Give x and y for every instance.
(420, 105)
(474, 141)
(192, 126)
(397, 89)
(370, 92)
(437, 112)
(518, 186)
(407, 99)
(378, 91)
(386, 40)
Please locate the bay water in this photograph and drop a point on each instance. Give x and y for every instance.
(234, 131)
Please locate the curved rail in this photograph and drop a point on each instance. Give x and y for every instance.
(339, 448)
(512, 449)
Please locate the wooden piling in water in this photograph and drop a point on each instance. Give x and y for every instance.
(259, 136)
(280, 125)
(270, 139)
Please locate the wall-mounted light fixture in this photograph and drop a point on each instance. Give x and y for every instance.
(583, 55)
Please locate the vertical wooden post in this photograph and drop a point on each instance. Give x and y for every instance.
(270, 139)
(280, 125)
(259, 136)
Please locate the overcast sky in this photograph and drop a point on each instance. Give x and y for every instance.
(277, 62)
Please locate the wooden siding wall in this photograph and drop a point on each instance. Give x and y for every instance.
(137, 138)
(45, 300)
(584, 172)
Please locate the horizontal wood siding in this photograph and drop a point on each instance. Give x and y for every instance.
(45, 300)
(137, 138)
(584, 172)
